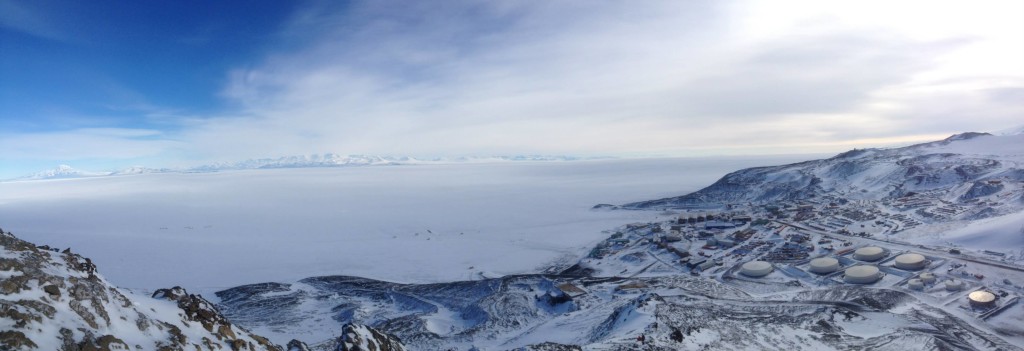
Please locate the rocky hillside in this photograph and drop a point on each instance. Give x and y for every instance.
(56, 300)
(965, 166)
(53, 300)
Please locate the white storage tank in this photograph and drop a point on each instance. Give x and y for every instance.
(926, 277)
(915, 284)
(756, 269)
(862, 274)
(869, 253)
(954, 285)
(910, 261)
(824, 265)
(982, 299)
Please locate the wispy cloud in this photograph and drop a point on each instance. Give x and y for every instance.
(25, 20)
(114, 143)
(559, 77)
(613, 78)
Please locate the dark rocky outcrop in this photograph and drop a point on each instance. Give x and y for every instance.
(550, 346)
(296, 345)
(356, 337)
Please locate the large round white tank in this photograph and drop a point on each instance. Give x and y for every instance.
(824, 265)
(869, 253)
(926, 277)
(915, 284)
(983, 299)
(910, 261)
(756, 269)
(954, 285)
(862, 274)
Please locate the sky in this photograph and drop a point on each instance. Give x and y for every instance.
(107, 85)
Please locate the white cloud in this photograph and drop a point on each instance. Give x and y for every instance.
(609, 78)
(25, 20)
(114, 143)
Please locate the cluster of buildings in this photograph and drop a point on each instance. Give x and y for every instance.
(795, 240)
(755, 249)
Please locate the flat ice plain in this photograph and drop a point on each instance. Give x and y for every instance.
(408, 223)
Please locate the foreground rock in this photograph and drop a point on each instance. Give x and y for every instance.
(355, 337)
(57, 301)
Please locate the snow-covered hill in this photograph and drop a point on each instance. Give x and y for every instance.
(963, 167)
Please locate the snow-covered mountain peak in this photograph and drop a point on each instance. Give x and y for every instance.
(61, 172)
(966, 136)
(856, 153)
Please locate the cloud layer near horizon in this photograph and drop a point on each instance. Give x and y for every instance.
(611, 78)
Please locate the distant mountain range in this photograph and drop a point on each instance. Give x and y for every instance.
(301, 161)
(63, 171)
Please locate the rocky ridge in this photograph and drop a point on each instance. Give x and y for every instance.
(56, 300)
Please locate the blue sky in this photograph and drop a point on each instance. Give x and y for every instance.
(78, 64)
(108, 85)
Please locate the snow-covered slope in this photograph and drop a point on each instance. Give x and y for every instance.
(967, 166)
(1004, 233)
